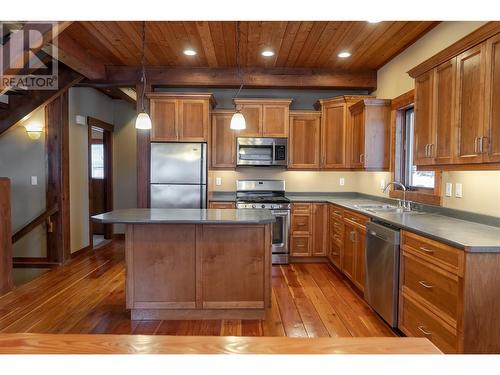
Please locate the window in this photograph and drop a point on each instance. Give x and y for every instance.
(97, 158)
(413, 178)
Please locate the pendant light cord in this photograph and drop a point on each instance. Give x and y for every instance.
(143, 78)
(238, 57)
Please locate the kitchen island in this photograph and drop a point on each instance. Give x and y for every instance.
(196, 263)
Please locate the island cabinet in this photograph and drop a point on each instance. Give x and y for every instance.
(264, 117)
(309, 230)
(456, 108)
(336, 123)
(222, 141)
(369, 134)
(180, 117)
(449, 295)
(304, 140)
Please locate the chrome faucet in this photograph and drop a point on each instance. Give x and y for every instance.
(406, 206)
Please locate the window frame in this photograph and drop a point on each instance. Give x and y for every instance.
(425, 195)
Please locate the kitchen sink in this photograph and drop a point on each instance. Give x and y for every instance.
(379, 208)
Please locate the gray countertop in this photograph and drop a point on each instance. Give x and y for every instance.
(467, 235)
(185, 216)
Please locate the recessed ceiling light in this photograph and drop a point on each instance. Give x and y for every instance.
(344, 54)
(373, 21)
(267, 53)
(189, 52)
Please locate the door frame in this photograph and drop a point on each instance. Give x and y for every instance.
(107, 129)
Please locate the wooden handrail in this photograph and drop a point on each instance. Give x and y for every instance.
(34, 223)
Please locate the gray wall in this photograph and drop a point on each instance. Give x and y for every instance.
(302, 99)
(21, 158)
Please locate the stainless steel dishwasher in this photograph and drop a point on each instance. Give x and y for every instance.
(382, 270)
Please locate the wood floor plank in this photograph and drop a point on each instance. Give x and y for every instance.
(87, 295)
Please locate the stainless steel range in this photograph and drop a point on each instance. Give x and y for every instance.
(268, 195)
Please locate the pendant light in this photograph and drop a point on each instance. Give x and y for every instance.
(143, 120)
(238, 120)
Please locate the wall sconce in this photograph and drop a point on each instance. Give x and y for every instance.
(34, 130)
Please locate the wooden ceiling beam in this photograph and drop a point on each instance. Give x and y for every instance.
(298, 78)
(76, 57)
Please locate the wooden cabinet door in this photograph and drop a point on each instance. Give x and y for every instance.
(424, 131)
(359, 258)
(193, 120)
(491, 142)
(348, 261)
(164, 119)
(253, 120)
(304, 142)
(223, 141)
(444, 149)
(471, 95)
(333, 136)
(275, 120)
(320, 229)
(357, 140)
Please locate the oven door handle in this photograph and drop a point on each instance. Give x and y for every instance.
(280, 213)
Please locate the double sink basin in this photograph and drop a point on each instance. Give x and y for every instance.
(383, 208)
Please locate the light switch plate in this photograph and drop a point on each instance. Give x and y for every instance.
(449, 189)
(458, 190)
(34, 180)
(342, 181)
(218, 181)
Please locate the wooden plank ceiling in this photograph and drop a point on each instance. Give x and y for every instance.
(296, 44)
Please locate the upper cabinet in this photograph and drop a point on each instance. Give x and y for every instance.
(457, 106)
(304, 140)
(180, 117)
(222, 142)
(264, 117)
(369, 134)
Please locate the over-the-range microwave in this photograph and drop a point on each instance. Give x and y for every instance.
(261, 151)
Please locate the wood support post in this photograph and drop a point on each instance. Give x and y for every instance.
(5, 237)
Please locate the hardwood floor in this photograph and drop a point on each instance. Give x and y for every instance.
(87, 296)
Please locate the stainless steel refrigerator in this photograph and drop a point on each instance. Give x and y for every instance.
(178, 175)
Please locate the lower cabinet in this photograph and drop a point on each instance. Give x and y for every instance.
(309, 230)
(219, 204)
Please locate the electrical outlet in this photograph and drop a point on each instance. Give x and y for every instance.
(382, 184)
(34, 180)
(458, 190)
(342, 181)
(218, 181)
(449, 189)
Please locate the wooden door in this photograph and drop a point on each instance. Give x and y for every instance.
(304, 142)
(357, 140)
(471, 95)
(333, 136)
(194, 118)
(491, 142)
(253, 120)
(348, 261)
(359, 258)
(424, 130)
(443, 150)
(164, 120)
(275, 120)
(223, 141)
(320, 229)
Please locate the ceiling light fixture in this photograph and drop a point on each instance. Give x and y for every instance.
(344, 54)
(190, 52)
(143, 121)
(267, 53)
(238, 120)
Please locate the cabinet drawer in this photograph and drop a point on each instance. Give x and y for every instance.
(301, 208)
(336, 212)
(222, 205)
(301, 223)
(356, 218)
(337, 231)
(299, 246)
(436, 252)
(417, 321)
(334, 253)
(437, 287)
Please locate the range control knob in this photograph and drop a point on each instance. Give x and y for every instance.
(263, 206)
(253, 206)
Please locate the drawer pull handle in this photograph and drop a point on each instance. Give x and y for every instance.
(428, 251)
(426, 285)
(422, 329)
(333, 253)
(300, 245)
(337, 212)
